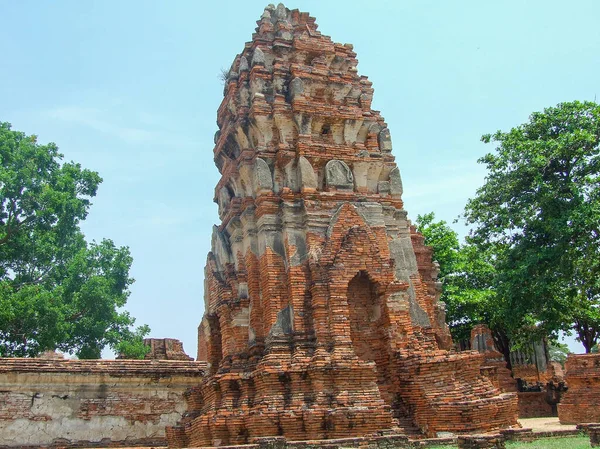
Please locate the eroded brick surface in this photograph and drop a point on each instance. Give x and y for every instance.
(322, 317)
(75, 403)
(581, 402)
(165, 349)
(494, 364)
(536, 402)
(491, 441)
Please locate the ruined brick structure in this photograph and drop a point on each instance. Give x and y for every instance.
(538, 393)
(532, 365)
(52, 402)
(490, 441)
(581, 402)
(165, 349)
(322, 317)
(494, 365)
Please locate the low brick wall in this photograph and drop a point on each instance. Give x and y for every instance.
(581, 402)
(533, 404)
(489, 441)
(92, 403)
(395, 441)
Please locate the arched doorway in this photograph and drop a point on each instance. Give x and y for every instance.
(367, 327)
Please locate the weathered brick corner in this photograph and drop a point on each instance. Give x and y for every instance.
(322, 317)
(581, 402)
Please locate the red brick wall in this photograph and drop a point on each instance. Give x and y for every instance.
(467, 404)
(581, 402)
(534, 405)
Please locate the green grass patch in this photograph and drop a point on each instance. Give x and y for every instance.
(579, 442)
(582, 442)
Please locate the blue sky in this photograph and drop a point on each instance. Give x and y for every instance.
(131, 89)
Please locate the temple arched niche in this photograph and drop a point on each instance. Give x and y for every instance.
(365, 316)
(368, 323)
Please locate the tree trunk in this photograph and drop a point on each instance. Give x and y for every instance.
(588, 335)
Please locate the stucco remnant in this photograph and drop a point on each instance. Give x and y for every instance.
(92, 403)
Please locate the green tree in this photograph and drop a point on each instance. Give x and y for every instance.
(444, 242)
(467, 274)
(56, 290)
(541, 204)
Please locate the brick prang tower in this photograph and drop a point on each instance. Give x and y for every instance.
(322, 317)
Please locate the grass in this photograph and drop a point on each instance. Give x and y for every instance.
(579, 442)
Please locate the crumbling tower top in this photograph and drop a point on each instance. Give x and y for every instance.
(289, 68)
(294, 96)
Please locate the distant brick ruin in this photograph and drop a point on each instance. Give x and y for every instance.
(322, 317)
(494, 365)
(581, 403)
(539, 382)
(165, 349)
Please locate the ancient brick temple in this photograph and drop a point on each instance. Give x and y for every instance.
(322, 317)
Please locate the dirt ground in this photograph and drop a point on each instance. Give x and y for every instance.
(545, 424)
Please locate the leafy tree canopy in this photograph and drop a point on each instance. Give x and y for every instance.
(467, 274)
(56, 290)
(540, 210)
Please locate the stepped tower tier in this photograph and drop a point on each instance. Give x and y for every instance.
(322, 317)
